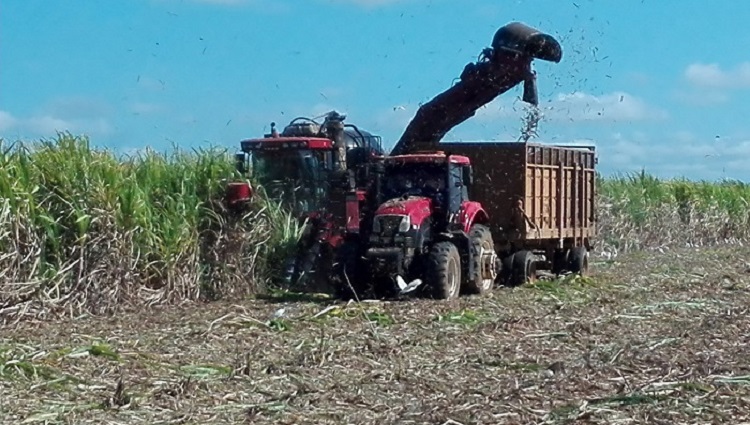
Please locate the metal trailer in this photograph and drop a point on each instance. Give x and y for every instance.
(540, 200)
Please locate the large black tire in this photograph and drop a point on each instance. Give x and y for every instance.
(506, 270)
(524, 268)
(560, 261)
(443, 277)
(481, 241)
(578, 260)
(304, 266)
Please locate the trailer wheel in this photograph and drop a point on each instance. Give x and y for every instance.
(560, 261)
(524, 268)
(579, 260)
(484, 258)
(506, 269)
(444, 271)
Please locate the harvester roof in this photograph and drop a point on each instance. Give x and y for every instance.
(287, 143)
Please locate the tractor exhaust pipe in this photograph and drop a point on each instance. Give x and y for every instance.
(334, 125)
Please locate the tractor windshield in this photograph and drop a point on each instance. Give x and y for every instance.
(414, 179)
(294, 177)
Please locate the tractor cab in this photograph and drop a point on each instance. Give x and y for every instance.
(442, 179)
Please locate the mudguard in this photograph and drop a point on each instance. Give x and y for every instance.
(471, 212)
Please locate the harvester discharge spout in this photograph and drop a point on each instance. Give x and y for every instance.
(500, 68)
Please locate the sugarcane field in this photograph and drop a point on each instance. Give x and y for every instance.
(373, 212)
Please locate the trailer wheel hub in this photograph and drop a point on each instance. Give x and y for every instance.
(488, 259)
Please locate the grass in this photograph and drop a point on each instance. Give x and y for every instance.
(639, 211)
(85, 231)
(506, 358)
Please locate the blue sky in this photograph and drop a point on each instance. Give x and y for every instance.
(654, 84)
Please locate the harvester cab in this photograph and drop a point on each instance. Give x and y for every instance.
(300, 165)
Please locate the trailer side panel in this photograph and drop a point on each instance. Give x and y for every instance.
(554, 186)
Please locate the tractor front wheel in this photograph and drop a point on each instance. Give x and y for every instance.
(444, 271)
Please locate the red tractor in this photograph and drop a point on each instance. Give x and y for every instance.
(427, 228)
(531, 207)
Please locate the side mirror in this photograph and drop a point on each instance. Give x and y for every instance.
(468, 175)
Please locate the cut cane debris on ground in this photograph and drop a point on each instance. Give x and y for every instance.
(647, 337)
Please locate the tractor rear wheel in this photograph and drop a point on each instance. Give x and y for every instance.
(483, 256)
(579, 260)
(524, 268)
(444, 271)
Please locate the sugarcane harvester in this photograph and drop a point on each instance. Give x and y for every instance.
(318, 172)
(442, 220)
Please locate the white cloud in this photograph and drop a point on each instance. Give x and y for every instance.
(222, 2)
(46, 125)
(611, 107)
(668, 155)
(713, 76)
(675, 155)
(76, 107)
(369, 4)
(578, 107)
(702, 97)
(7, 121)
(145, 108)
(710, 85)
(503, 117)
(272, 6)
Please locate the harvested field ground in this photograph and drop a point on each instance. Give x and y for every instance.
(649, 338)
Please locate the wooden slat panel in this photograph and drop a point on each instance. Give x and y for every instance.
(558, 195)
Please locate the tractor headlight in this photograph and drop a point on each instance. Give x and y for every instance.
(391, 224)
(405, 224)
